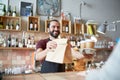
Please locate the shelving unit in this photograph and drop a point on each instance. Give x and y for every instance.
(91, 29)
(46, 25)
(33, 24)
(80, 28)
(10, 30)
(65, 26)
(106, 49)
(15, 48)
(10, 23)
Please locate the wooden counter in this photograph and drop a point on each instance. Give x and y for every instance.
(46, 76)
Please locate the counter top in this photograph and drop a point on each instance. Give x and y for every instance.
(45, 76)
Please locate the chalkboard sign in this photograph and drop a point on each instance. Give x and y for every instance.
(26, 8)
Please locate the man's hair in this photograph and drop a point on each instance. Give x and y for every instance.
(52, 21)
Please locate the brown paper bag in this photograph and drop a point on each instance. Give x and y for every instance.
(62, 53)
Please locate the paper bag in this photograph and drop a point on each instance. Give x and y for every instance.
(62, 53)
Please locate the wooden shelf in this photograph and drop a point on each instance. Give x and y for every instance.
(46, 25)
(109, 49)
(9, 20)
(65, 26)
(97, 49)
(15, 48)
(35, 21)
(80, 28)
(10, 17)
(33, 31)
(13, 30)
(91, 29)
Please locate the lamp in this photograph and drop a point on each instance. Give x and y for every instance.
(82, 3)
(102, 28)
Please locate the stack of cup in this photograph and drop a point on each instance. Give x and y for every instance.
(87, 44)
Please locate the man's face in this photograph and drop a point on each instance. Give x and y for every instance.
(54, 29)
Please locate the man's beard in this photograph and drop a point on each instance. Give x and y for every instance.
(54, 35)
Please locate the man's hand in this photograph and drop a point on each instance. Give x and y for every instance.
(51, 45)
(76, 54)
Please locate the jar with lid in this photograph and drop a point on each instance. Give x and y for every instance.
(73, 41)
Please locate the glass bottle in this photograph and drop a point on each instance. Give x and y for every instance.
(67, 28)
(1, 39)
(11, 24)
(72, 41)
(9, 41)
(13, 41)
(14, 12)
(9, 11)
(17, 25)
(31, 25)
(7, 25)
(35, 26)
(4, 10)
(51, 15)
(1, 23)
(78, 41)
(23, 39)
(5, 41)
(29, 41)
(32, 41)
(17, 42)
(31, 12)
(64, 28)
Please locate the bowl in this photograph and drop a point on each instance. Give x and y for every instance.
(89, 51)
